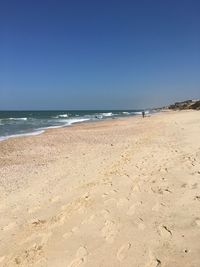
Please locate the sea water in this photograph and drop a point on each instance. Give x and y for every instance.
(17, 123)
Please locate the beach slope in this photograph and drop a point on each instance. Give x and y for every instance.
(122, 192)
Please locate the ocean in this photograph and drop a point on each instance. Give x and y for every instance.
(17, 123)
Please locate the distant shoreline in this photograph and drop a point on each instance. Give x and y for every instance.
(56, 119)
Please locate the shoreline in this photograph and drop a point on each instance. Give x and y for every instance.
(23, 123)
(73, 194)
(43, 130)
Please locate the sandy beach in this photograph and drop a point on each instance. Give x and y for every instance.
(116, 193)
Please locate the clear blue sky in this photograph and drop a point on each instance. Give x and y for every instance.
(98, 54)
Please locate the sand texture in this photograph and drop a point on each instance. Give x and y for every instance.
(117, 193)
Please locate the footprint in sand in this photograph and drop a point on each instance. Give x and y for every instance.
(106, 214)
(32, 254)
(109, 231)
(194, 186)
(89, 220)
(165, 231)
(67, 235)
(153, 261)
(34, 209)
(105, 195)
(55, 199)
(122, 202)
(43, 237)
(184, 185)
(70, 233)
(197, 221)
(156, 207)
(163, 170)
(110, 202)
(38, 222)
(9, 226)
(131, 210)
(2, 258)
(122, 252)
(136, 188)
(141, 226)
(81, 257)
(57, 220)
(2, 207)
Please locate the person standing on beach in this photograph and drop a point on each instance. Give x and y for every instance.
(143, 113)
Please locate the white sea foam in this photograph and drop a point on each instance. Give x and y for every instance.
(99, 117)
(107, 114)
(65, 123)
(126, 113)
(140, 112)
(18, 119)
(72, 121)
(2, 138)
(63, 116)
(137, 113)
(42, 130)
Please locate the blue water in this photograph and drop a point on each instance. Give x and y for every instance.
(16, 123)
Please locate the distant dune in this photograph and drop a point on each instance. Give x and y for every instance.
(188, 104)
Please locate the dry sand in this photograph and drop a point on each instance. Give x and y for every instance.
(122, 192)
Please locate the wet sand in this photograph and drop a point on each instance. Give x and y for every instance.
(116, 193)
